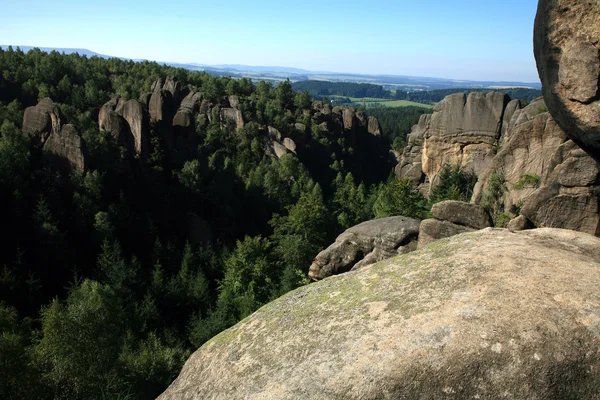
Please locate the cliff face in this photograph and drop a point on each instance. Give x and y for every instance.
(452, 320)
(462, 130)
(548, 179)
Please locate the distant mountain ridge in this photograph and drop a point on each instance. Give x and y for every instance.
(278, 73)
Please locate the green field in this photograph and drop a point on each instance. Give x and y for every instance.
(368, 101)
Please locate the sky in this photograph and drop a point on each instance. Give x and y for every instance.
(456, 39)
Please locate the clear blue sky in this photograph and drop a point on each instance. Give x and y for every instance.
(461, 39)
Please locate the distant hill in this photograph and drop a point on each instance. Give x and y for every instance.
(276, 74)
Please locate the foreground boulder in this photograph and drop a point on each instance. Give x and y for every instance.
(567, 52)
(365, 244)
(490, 315)
(462, 213)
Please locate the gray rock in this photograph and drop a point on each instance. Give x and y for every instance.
(519, 223)
(349, 118)
(40, 121)
(432, 230)
(136, 117)
(566, 48)
(233, 115)
(66, 148)
(161, 106)
(234, 101)
(289, 144)
(373, 126)
(484, 315)
(461, 213)
(365, 244)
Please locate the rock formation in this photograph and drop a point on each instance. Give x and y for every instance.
(66, 148)
(549, 180)
(567, 52)
(127, 122)
(365, 244)
(41, 120)
(452, 218)
(489, 314)
(60, 142)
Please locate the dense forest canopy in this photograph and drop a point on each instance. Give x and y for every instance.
(319, 89)
(112, 274)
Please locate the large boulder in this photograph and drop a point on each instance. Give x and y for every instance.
(461, 213)
(433, 230)
(365, 244)
(567, 52)
(484, 315)
(41, 120)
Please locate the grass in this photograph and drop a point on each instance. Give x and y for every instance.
(368, 101)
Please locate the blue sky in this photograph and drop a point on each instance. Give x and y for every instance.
(460, 39)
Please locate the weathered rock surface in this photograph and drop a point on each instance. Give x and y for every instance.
(462, 131)
(433, 230)
(60, 142)
(66, 148)
(519, 223)
(41, 120)
(373, 126)
(461, 213)
(233, 115)
(567, 52)
(136, 117)
(365, 244)
(490, 315)
(553, 182)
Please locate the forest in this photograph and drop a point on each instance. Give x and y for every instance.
(105, 289)
(320, 89)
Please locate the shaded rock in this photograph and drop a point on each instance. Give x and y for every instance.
(575, 212)
(66, 148)
(489, 315)
(461, 213)
(161, 106)
(279, 149)
(41, 120)
(289, 144)
(145, 99)
(110, 121)
(410, 165)
(233, 115)
(537, 149)
(349, 118)
(234, 101)
(183, 119)
(373, 126)
(432, 230)
(566, 48)
(366, 244)
(136, 117)
(191, 103)
(519, 223)
(274, 134)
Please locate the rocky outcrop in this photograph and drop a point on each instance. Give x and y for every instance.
(544, 171)
(365, 244)
(66, 148)
(549, 180)
(410, 165)
(461, 213)
(233, 115)
(452, 218)
(41, 120)
(373, 126)
(567, 52)
(60, 143)
(490, 315)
